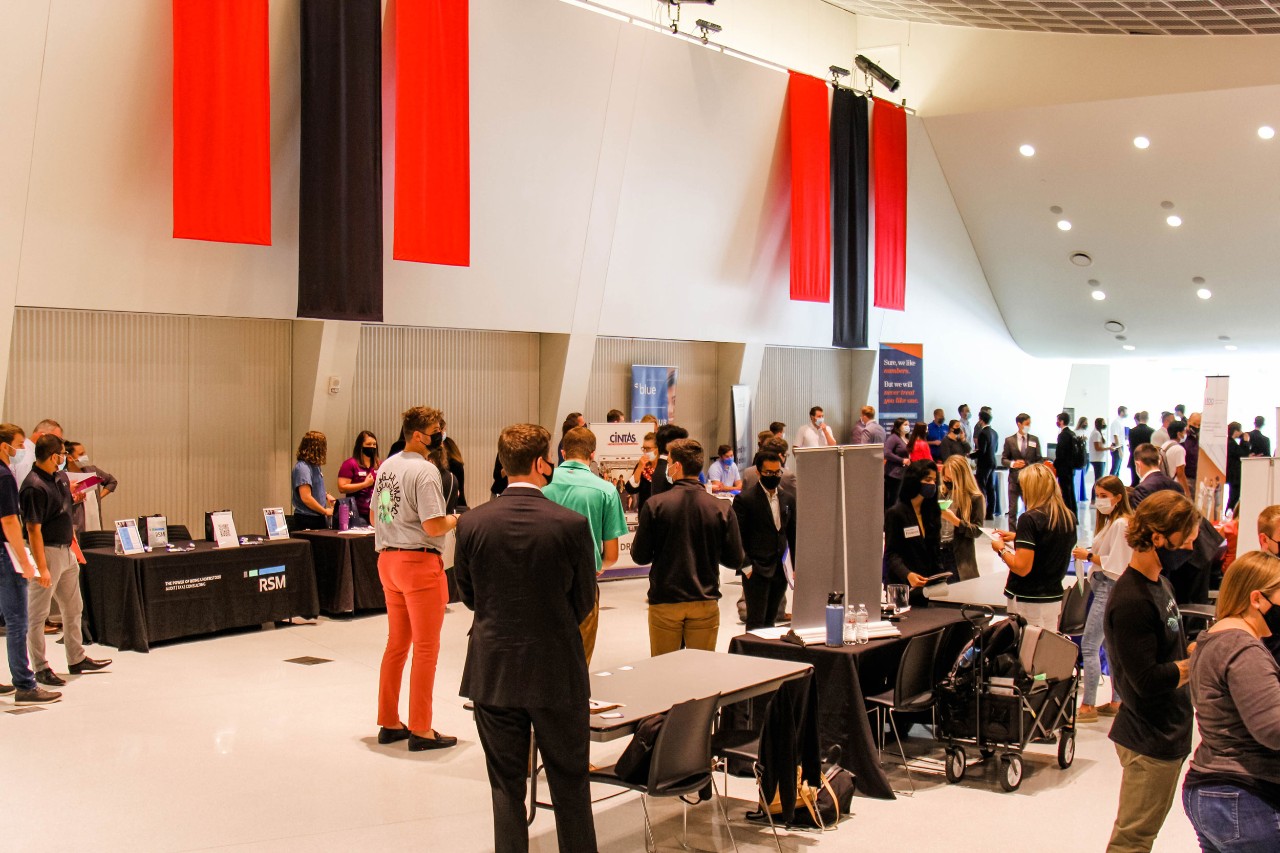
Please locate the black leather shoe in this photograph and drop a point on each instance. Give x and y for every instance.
(50, 678)
(386, 735)
(88, 665)
(418, 744)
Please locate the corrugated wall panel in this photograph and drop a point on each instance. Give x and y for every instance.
(794, 379)
(696, 401)
(166, 403)
(482, 381)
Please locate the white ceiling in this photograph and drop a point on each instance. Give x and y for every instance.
(1106, 17)
(1205, 156)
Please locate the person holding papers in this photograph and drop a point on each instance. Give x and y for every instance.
(46, 508)
(913, 531)
(767, 522)
(14, 580)
(86, 514)
(527, 567)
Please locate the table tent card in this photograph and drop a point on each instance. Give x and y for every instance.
(157, 531)
(224, 530)
(276, 526)
(127, 536)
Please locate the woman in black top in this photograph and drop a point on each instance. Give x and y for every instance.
(1041, 549)
(456, 466)
(913, 530)
(1148, 655)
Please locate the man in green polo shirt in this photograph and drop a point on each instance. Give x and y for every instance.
(576, 488)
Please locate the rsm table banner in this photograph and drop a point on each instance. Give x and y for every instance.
(653, 392)
(901, 382)
(1211, 470)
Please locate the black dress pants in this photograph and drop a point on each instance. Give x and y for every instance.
(764, 595)
(1067, 485)
(564, 743)
(892, 485)
(987, 485)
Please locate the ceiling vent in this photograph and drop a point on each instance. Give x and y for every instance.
(1113, 326)
(1080, 259)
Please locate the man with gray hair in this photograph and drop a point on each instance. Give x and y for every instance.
(25, 458)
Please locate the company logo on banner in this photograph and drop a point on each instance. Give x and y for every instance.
(901, 383)
(653, 392)
(619, 441)
(1212, 468)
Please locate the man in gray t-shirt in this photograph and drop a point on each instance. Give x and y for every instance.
(408, 492)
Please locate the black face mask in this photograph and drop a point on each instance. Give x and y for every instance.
(437, 439)
(552, 474)
(770, 481)
(1172, 559)
(928, 490)
(1272, 618)
(371, 452)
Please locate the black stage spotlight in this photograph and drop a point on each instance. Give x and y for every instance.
(875, 72)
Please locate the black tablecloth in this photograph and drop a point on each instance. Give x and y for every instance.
(845, 676)
(346, 571)
(132, 601)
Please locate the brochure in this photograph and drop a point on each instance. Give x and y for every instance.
(276, 526)
(157, 531)
(127, 536)
(13, 558)
(224, 530)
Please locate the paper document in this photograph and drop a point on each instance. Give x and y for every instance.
(127, 534)
(13, 558)
(772, 633)
(599, 706)
(83, 482)
(276, 526)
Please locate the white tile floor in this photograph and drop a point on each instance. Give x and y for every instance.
(218, 743)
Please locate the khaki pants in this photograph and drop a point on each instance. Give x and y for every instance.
(589, 627)
(65, 589)
(1147, 789)
(688, 625)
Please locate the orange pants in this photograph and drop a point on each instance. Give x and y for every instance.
(417, 592)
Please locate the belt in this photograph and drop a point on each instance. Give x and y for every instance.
(420, 550)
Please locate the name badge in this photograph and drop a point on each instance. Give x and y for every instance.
(911, 532)
(1031, 444)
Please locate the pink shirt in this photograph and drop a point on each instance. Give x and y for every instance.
(357, 472)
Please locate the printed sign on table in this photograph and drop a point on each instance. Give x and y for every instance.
(901, 383)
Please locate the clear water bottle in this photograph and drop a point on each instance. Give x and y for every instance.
(860, 625)
(850, 625)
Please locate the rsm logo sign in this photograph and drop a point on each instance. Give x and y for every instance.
(269, 579)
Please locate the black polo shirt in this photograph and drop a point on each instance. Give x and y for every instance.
(46, 500)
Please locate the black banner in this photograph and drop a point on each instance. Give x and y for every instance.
(340, 213)
(849, 215)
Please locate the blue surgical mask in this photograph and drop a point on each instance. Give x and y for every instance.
(727, 461)
(819, 421)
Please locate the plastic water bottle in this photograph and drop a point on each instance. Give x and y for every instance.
(835, 619)
(861, 629)
(850, 625)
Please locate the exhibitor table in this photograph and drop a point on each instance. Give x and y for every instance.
(346, 570)
(134, 600)
(846, 675)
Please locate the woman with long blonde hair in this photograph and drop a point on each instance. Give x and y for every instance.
(1038, 552)
(962, 520)
(1108, 556)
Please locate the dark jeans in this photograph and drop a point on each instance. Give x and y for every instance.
(306, 521)
(1228, 819)
(1082, 474)
(13, 604)
(763, 597)
(892, 485)
(1098, 472)
(1115, 462)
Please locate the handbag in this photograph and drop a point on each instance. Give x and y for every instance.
(633, 764)
(823, 806)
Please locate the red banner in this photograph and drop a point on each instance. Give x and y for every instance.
(221, 121)
(810, 189)
(433, 141)
(889, 166)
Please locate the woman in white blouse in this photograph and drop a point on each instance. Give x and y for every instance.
(1107, 557)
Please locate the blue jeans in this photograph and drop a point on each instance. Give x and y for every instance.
(1228, 819)
(1092, 639)
(13, 604)
(1081, 475)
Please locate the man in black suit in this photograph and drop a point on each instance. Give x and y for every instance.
(526, 566)
(1259, 444)
(751, 476)
(1020, 450)
(985, 442)
(686, 535)
(664, 435)
(1065, 461)
(767, 522)
(1139, 434)
(1151, 479)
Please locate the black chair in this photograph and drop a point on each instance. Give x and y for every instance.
(680, 763)
(913, 690)
(179, 533)
(98, 539)
(1074, 607)
(744, 745)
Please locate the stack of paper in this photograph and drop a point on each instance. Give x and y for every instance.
(881, 630)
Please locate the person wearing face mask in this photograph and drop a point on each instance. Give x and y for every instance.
(1108, 556)
(985, 442)
(962, 520)
(686, 535)
(1232, 791)
(25, 458)
(767, 521)
(1020, 450)
(46, 509)
(1237, 449)
(358, 473)
(641, 482)
(913, 529)
(816, 433)
(527, 566)
(1037, 554)
(663, 436)
(897, 456)
(409, 535)
(1191, 445)
(1147, 651)
(918, 443)
(751, 476)
(15, 582)
(723, 473)
(86, 514)
(312, 505)
(936, 431)
(953, 443)
(456, 464)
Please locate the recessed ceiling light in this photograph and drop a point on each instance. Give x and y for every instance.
(1081, 259)
(1141, 142)
(1027, 150)
(1174, 221)
(1231, 347)
(1266, 132)
(1204, 293)
(1098, 295)
(1064, 225)
(1129, 347)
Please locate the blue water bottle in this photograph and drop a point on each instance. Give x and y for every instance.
(835, 619)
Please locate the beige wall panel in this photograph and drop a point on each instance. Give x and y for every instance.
(482, 381)
(696, 392)
(794, 379)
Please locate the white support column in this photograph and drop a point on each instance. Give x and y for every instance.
(324, 351)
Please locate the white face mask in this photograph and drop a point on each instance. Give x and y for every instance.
(819, 421)
(82, 461)
(1104, 505)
